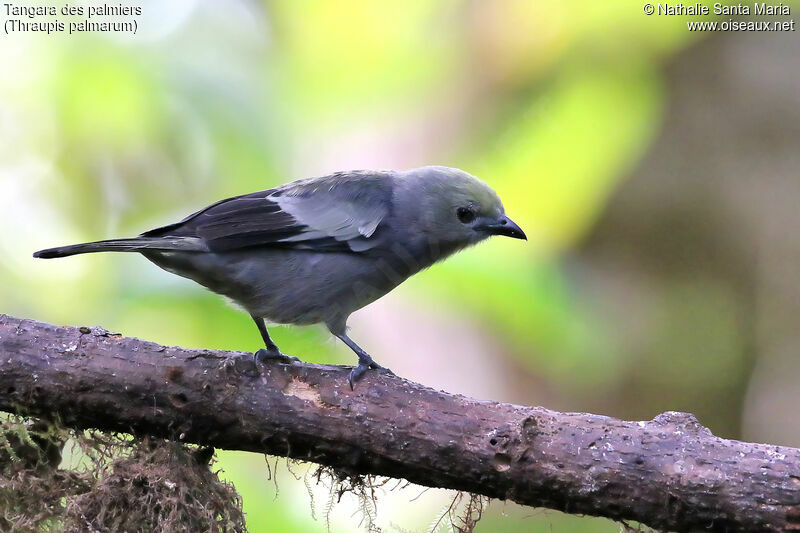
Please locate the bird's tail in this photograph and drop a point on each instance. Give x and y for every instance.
(136, 244)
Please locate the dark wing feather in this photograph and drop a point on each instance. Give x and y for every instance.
(340, 212)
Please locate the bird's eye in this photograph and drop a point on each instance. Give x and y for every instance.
(465, 214)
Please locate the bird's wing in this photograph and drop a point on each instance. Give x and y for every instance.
(340, 212)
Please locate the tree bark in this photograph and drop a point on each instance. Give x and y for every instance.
(669, 473)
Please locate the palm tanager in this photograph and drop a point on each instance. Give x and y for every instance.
(315, 250)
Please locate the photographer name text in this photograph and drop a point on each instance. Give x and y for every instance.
(757, 8)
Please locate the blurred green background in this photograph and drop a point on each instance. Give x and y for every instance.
(653, 169)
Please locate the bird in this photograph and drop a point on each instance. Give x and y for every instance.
(316, 250)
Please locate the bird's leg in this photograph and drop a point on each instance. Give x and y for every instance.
(272, 351)
(365, 362)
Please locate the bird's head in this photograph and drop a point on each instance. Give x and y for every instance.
(454, 207)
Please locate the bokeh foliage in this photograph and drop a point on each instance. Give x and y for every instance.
(552, 103)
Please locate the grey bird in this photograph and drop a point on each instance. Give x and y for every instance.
(315, 250)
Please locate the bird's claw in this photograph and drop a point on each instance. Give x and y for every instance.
(358, 372)
(384, 370)
(262, 355)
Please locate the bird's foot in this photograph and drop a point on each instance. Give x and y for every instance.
(364, 364)
(264, 355)
(381, 369)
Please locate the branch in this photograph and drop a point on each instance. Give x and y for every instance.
(669, 473)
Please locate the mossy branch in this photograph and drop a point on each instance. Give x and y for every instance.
(669, 473)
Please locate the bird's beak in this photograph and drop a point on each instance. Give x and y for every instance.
(504, 226)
